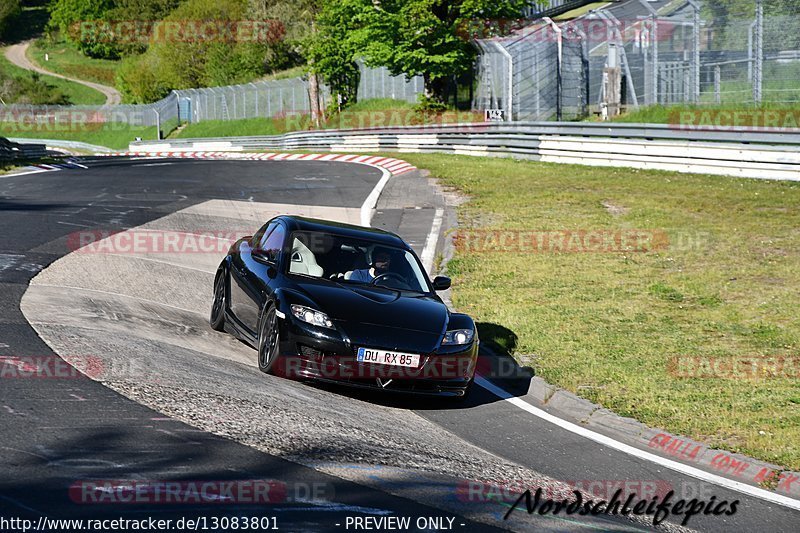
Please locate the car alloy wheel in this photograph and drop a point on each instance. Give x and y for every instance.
(268, 340)
(217, 319)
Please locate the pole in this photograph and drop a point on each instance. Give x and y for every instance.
(510, 96)
(559, 62)
(758, 70)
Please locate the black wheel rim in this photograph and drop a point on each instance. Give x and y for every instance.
(219, 298)
(268, 339)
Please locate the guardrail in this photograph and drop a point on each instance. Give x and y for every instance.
(12, 151)
(733, 152)
(69, 146)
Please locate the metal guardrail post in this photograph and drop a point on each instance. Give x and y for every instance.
(758, 70)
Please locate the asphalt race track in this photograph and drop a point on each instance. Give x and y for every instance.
(171, 400)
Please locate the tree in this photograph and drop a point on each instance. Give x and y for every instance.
(298, 17)
(8, 10)
(331, 51)
(411, 37)
(201, 43)
(71, 17)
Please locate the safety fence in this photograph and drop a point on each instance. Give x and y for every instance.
(766, 154)
(266, 99)
(642, 52)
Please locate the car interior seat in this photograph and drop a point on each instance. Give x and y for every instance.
(303, 260)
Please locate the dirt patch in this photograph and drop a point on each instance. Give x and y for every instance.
(614, 209)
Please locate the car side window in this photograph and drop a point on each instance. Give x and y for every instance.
(263, 231)
(272, 242)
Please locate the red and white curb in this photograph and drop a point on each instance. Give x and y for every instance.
(394, 166)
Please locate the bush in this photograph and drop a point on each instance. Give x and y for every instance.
(8, 10)
(67, 16)
(30, 90)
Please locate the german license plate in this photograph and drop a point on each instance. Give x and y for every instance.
(384, 357)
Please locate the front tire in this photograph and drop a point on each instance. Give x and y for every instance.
(217, 318)
(268, 340)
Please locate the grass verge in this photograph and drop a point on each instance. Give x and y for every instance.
(373, 113)
(112, 137)
(76, 93)
(659, 114)
(606, 325)
(65, 60)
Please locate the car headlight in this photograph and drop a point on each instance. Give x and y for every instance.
(458, 336)
(311, 316)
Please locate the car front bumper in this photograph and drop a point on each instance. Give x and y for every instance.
(310, 352)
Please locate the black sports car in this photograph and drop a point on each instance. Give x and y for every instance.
(346, 304)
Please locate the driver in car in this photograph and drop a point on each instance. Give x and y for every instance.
(381, 264)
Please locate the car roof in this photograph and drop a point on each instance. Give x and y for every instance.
(298, 223)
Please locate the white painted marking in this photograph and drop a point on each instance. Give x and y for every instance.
(72, 224)
(37, 171)
(372, 199)
(636, 452)
(155, 165)
(430, 242)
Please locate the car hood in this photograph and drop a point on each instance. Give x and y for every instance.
(359, 304)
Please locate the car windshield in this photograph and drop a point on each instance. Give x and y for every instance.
(343, 259)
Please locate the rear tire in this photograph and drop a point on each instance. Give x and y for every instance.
(217, 318)
(268, 340)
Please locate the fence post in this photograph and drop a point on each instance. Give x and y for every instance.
(559, 62)
(750, 51)
(717, 95)
(758, 70)
(654, 58)
(695, 62)
(256, 88)
(510, 93)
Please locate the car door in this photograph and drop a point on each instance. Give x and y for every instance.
(240, 297)
(255, 274)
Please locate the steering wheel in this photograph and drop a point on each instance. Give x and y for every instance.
(388, 275)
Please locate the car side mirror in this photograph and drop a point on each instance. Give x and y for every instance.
(441, 283)
(260, 256)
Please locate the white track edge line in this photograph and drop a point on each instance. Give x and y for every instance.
(430, 242)
(372, 199)
(730, 484)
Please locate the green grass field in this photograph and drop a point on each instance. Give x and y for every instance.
(78, 94)
(659, 114)
(368, 113)
(110, 137)
(605, 325)
(66, 60)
